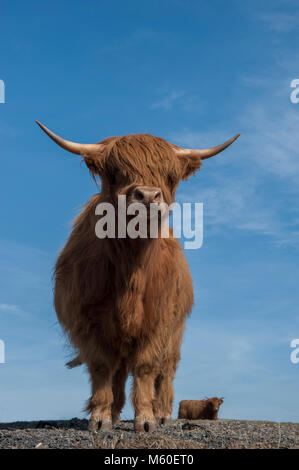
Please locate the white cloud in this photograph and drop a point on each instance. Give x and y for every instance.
(239, 204)
(272, 141)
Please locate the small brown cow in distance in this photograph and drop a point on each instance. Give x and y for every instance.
(200, 409)
(123, 302)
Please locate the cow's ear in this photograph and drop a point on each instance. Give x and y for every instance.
(95, 164)
(189, 165)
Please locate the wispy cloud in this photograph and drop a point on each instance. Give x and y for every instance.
(241, 204)
(168, 100)
(235, 205)
(257, 82)
(281, 22)
(265, 156)
(273, 140)
(177, 99)
(12, 310)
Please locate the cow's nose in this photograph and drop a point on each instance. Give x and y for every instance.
(147, 195)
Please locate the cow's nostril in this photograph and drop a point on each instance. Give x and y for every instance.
(138, 195)
(157, 196)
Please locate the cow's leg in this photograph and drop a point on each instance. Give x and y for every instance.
(119, 397)
(164, 394)
(143, 396)
(102, 396)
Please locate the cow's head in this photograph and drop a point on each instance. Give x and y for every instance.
(214, 404)
(146, 169)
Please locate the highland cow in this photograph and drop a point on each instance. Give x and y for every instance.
(123, 302)
(200, 409)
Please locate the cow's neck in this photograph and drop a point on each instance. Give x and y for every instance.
(130, 255)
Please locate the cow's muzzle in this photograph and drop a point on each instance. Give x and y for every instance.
(147, 195)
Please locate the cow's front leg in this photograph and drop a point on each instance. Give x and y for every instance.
(164, 381)
(102, 397)
(119, 397)
(143, 396)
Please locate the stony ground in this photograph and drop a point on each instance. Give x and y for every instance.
(181, 434)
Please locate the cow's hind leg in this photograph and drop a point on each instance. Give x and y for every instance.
(143, 396)
(119, 397)
(102, 397)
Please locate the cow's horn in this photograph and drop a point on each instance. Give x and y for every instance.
(74, 147)
(205, 153)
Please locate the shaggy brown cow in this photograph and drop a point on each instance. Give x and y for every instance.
(200, 409)
(123, 302)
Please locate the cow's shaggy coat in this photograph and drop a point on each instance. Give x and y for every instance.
(123, 302)
(200, 409)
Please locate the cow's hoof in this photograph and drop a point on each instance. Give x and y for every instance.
(105, 426)
(138, 426)
(93, 425)
(150, 426)
(147, 426)
(115, 419)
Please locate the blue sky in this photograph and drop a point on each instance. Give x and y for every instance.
(195, 73)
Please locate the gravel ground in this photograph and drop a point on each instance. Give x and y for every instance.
(180, 434)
